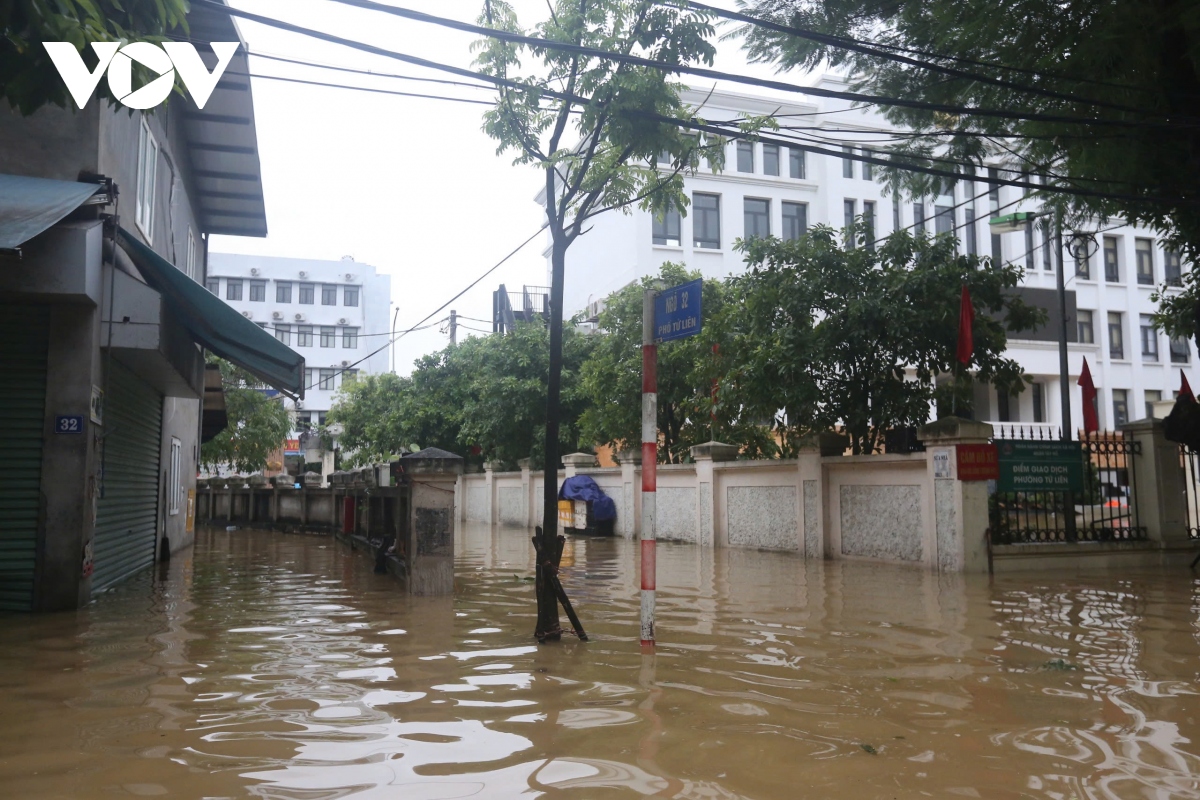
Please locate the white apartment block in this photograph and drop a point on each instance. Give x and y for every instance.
(782, 191)
(334, 313)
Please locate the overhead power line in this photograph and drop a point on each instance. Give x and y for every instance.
(871, 49)
(371, 89)
(704, 72)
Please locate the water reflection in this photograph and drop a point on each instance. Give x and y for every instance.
(282, 667)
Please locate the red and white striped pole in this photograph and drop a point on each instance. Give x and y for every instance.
(649, 463)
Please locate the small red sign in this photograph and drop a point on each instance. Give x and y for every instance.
(978, 462)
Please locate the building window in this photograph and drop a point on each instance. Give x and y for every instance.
(706, 228)
(328, 335)
(848, 207)
(304, 336)
(307, 290)
(284, 334)
(869, 224)
(328, 294)
(189, 257)
(795, 220)
(918, 217)
(770, 159)
(146, 181)
(847, 163)
(350, 338)
(258, 291)
(969, 227)
(943, 218)
(174, 478)
(304, 418)
(757, 216)
(868, 171)
(1143, 251)
(1083, 265)
(283, 291)
(1005, 410)
(1152, 396)
(310, 377)
(1086, 331)
(213, 285)
(1112, 263)
(1116, 338)
(1039, 401)
(1174, 275)
(1120, 407)
(1180, 353)
(1029, 246)
(350, 296)
(233, 289)
(349, 376)
(994, 211)
(796, 163)
(1149, 339)
(666, 229)
(1047, 246)
(745, 156)
(326, 382)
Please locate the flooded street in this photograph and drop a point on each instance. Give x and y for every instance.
(280, 666)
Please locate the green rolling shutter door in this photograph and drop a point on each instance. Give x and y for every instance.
(24, 342)
(127, 517)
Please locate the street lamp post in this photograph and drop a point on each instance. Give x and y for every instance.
(1012, 223)
(392, 344)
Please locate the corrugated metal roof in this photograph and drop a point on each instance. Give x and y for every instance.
(29, 206)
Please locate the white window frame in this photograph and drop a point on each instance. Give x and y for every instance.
(189, 258)
(147, 178)
(174, 482)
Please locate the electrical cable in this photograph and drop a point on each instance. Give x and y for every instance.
(442, 307)
(704, 72)
(394, 92)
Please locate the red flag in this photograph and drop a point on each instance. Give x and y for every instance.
(966, 319)
(1091, 423)
(1185, 390)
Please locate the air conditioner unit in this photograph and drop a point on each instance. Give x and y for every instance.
(254, 270)
(299, 318)
(345, 363)
(349, 277)
(247, 315)
(277, 315)
(303, 274)
(299, 404)
(342, 321)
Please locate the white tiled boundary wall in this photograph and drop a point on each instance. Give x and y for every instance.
(881, 507)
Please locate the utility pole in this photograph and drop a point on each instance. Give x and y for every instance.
(1064, 379)
(392, 343)
(453, 326)
(649, 466)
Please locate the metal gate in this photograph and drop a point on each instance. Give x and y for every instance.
(127, 515)
(24, 343)
(1104, 511)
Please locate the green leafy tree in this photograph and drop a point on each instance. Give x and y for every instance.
(258, 424)
(1136, 62)
(28, 78)
(612, 377)
(587, 123)
(865, 338)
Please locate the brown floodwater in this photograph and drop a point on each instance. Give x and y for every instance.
(276, 666)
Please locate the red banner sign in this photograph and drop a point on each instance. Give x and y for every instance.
(978, 462)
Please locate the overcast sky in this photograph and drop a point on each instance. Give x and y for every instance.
(409, 185)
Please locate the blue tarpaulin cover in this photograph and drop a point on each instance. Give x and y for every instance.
(29, 206)
(581, 487)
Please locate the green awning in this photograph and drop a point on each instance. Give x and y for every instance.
(29, 206)
(215, 325)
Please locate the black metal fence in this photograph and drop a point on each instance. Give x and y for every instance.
(1103, 511)
(1189, 461)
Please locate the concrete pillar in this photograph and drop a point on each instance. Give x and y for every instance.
(489, 483)
(629, 516)
(573, 461)
(811, 479)
(960, 508)
(432, 474)
(526, 465)
(706, 513)
(1161, 495)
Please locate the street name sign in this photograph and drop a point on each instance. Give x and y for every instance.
(677, 312)
(1040, 466)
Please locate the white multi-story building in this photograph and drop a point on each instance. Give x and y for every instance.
(334, 313)
(781, 191)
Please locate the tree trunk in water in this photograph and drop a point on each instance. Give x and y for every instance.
(549, 552)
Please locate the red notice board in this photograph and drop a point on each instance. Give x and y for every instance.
(978, 462)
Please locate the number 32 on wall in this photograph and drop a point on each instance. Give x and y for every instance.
(71, 423)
